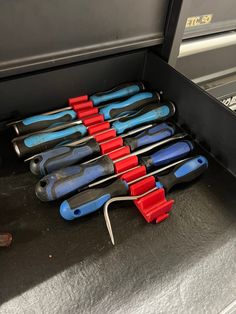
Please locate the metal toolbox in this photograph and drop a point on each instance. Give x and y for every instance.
(55, 266)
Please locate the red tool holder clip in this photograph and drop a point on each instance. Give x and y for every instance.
(119, 152)
(104, 136)
(82, 105)
(92, 120)
(153, 206)
(134, 174)
(76, 100)
(81, 114)
(126, 164)
(98, 127)
(111, 144)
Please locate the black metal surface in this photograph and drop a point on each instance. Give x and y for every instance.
(45, 34)
(209, 121)
(221, 87)
(174, 28)
(206, 63)
(186, 264)
(224, 17)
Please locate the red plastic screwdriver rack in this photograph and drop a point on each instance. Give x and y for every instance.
(110, 143)
(153, 206)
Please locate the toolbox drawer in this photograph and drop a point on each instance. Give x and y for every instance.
(60, 32)
(209, 17)
(73, 263)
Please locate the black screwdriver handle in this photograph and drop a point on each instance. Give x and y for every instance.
(90, 200)
(41, 122)
(40, 142)
(186, 171)
(154, 112)
(153, 135)
(62, 156)
(67, 180)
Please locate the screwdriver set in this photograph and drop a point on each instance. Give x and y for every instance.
(111, 146)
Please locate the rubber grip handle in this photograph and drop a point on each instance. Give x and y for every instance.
(167, 155)
(124, 90)
(184, 172)
(150, 113)
(62, 156)
(67, 180)
(90, 200)
(149, 136)
(129, 105)
(41, 122)
(40, 142)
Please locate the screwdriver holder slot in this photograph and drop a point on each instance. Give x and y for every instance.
(111, 145)
(82, 106)
(119, 152)
(77, 100)
(105, 136)
(153, 206)
(98, 127)
(93, 119)
(126, 164)
(81, 114)
(134, 174)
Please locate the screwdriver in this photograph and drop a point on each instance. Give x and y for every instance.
(67, 180)
(91, 200)
(142, 166)
(56, 120)
(37, 143)
(186, 171)
(81, 102)
(65, 156)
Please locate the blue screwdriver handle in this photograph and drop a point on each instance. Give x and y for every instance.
(186, 171)
(90, 200)
(149, 136)
(167, 155)
(150, 113)
(60, 157)
(37, 143)
(67, 180)
(129, 105)
(64, 181)
(124, 90)
(40, 122)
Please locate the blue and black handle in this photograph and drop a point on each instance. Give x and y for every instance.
(63, 156)
(68, 180)
(37, 143)
(91, 200)
(42, 122)
(186, 171)
(120, 91)
(179, 149)
(47, 121)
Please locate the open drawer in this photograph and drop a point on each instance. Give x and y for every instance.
(59, 266)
